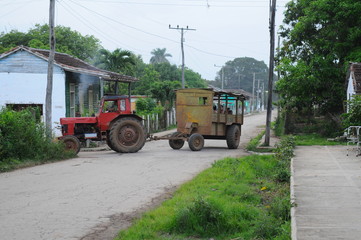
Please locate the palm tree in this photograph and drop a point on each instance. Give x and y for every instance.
(159, 56)
(116, 61)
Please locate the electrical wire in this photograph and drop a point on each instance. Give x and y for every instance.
(22, 4)
(93, 27)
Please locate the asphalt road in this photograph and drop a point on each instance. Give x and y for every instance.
(96, 194)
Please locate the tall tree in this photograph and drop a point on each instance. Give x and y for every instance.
(159, 56)
(320, 37)
(239, 73)
(119, 60)
(67, 41)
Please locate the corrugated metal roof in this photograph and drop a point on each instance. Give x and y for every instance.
(72, 64)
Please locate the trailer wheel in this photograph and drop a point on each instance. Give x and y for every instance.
(127, 135)
(71, 143)
(196, 142)
(176, 143)
(233, 136)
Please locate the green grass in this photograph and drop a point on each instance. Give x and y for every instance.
(237, 198)
(253, 144)
(314, 139)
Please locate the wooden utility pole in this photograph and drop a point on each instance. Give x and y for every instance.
(254, 79)
(49, 87)
(182, 40)
(271, 68)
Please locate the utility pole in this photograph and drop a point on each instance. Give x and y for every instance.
(258, 95)
(182, 40)
(254, 79)
(271, 68)
(49, 87)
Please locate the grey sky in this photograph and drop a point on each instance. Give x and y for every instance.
(225, 29)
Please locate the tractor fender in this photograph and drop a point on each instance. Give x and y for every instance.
(124, 116)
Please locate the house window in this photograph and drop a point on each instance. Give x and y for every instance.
(72, 99)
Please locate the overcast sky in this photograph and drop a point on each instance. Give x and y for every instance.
(225, 29)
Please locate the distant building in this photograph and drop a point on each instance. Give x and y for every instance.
(77, 85)
(354, 80)
(247, 102)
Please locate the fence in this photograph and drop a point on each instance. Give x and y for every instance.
(157, 122)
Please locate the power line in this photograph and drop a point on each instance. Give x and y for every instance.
(151, 34)
(137, 29)
(214, 4)
(94, 28)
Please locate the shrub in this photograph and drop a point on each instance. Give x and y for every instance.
(353, 116)
(22, 137)
(145, 105)
(284, 153)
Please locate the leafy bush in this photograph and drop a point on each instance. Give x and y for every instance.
(22, 138)
(284, 153)
(353, 116)
(145, 105)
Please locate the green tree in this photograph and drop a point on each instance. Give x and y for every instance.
(164, 92)
(119, 60)
(159, 56)
(67, 41)
(143, 86)
(168, 72)
(320, 37)
(238, 74)
(145, 106)
(194, 79)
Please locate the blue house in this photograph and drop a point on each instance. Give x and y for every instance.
(77, 85)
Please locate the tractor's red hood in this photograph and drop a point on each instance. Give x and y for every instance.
(73, 120)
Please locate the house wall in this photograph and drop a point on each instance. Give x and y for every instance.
(350, 88)
(23, 80)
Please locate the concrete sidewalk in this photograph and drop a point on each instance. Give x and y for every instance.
(326, 185)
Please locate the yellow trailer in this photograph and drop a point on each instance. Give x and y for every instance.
(207, 114)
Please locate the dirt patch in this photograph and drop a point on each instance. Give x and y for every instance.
(122, 221)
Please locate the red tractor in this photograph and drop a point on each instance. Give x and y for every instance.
(115, 123)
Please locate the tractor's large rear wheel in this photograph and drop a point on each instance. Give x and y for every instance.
(127, 135)
(109, 142)
(71, 143)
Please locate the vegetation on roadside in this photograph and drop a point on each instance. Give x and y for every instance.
(253, 144)
(314, 139)
(237, 198)
(23, 141)
(353, 116)
(320, 39)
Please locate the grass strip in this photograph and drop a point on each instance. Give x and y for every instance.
(237, 198)
(314, 139)
(253, 144)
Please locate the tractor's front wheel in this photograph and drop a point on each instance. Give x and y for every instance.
(127, 135)
(71, 143)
